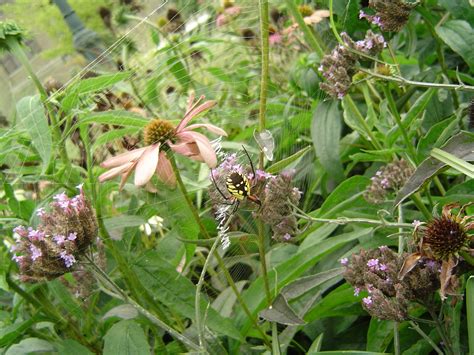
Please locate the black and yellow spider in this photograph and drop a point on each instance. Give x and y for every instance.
(238, 186)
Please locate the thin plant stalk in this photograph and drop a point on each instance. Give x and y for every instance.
(396, 338)
(221, 263)
(264, 19)
(307, 32)
(197, 299)
(403, 81)
(470, 312)
(123, 296)
(426, 337)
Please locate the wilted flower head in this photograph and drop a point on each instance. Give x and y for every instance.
(160, 136)
(56, 245)
(391, 15)
(389, 178)
(442, 239)
(278, 198)
(10, 33)
(339, 66)
(376, 271)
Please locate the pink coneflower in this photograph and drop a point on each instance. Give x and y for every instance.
(160, 136)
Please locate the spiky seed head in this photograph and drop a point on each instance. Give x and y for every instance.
(158, 131)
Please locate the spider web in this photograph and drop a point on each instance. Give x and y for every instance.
(227, 72)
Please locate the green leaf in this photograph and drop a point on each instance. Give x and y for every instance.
(176, 67)
(470, 312)
(72, 347)
(124, 311)
(347, 352)
(126, 338)
(177, 292)
(220, 74)
(307, 283)
(65, 298)
(316, 346)
(30, 345)
(459, 36)
(461, 146)
(380, 334)
(454, 162)
(115, 225)
(98, 83)
(460, 9)
(282, 164)
(326, 133)
(113, 135)
(9, 333)
(33, 119)
(281, 312)
(120, 118)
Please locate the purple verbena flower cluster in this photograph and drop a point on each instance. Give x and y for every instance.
(54, 247)
(339, 66)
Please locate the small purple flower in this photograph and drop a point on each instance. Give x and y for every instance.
(21, 231)
(320, 69)
(385, 183)
(377, 21)
(383, 248)
(367, 300)
(40, 212)
(69, 259)
(383, 267)
(344, 261)
(262, 174)
(287, 237)
(72, 236)
(35, 252)
(373, 264)
(356, 291)
(362, 14)
(378, 173)
(59, 239)
(416, 223)
(431, 264)
(340, 95)
(62, 200)
(37, 235)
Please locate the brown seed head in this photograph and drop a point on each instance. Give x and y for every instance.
(445, 236)
(158, 131)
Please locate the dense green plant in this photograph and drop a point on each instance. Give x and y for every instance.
(317, 200)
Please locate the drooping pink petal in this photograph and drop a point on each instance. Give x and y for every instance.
(146, 165)
(186, 149)
(126, 174)
(193, 113)
(123, 158)
(114, 172)
(209, 127)
(165, 171)
(205, 149)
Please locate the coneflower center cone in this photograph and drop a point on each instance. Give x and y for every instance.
(159, 131)
(445, 236)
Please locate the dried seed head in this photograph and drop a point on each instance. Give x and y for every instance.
(158, 131)
(305, 10)
(391, 15)
(445, 236)
(388, 178)
(339, 66)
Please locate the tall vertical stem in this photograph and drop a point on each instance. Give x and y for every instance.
(263, 5)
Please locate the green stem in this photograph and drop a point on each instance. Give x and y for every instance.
(426, 337)
(441, 332)
(467, 257)
(197, 299)
(400, 237)
(470, 312)
(220, 262)
(263, 6)
(344, 220)
(123, 296)
(396, 339)
(308, 33)
(333, 24)
(362, 121)
(421, 206)
(398, 120)
(403, 81)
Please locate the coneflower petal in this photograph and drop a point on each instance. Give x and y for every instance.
(146, 165)
(123, 158)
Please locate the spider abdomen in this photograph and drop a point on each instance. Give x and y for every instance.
(238, 185)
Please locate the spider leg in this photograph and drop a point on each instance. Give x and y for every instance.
(237, 203)
(217, 187)
(251, 163)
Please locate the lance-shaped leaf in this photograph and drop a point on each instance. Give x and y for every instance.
(281, 312)
(307, 283)
(461, 146)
